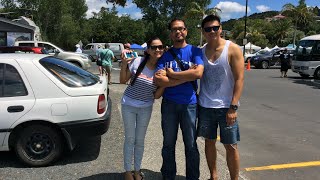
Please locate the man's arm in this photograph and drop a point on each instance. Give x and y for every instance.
(237, 68)
(163, 80)
(188, 75)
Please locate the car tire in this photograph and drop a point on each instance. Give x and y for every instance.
(264, 65)
(38, 145)
(304, 75)
(316, 74)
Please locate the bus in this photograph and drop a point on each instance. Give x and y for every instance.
(306, 61)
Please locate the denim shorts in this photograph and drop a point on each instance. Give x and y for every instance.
(208, 121)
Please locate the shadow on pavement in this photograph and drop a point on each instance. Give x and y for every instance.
(119, 176)
(306, 81)
(87, 150)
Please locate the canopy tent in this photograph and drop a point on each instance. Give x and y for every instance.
(136, 46)
(252, 46)
(144, 45)
(267, 49)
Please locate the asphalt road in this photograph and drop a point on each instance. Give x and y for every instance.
(278, 125)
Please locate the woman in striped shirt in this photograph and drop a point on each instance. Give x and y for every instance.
(136, 103)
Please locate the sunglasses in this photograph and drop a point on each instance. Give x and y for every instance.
(160, 47)
(178, 29)
(209, 29)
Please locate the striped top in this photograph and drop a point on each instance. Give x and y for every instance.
(141, 94)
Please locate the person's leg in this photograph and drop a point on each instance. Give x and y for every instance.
(100, 70)
(129, 120)
(143, 119)
(233, 160)
(169, 126)
(207, 128)
(229, 137)
(108, 71)
(189, 132)
(285, 73)
(211, 156)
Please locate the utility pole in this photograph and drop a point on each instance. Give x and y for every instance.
(245, 28)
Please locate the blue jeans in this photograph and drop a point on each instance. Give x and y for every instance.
(172, 115)
(136, 121)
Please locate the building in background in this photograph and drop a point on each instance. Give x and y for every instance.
(18, 29)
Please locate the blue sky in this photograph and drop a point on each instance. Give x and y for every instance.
(230, 9)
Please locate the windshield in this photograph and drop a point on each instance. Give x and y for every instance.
(308, 50)
(68, 73)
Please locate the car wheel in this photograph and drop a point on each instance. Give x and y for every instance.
(304, 75)
(38, 145)
(264, 65)
(317, 73)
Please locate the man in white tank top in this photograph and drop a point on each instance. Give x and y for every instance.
(220, 90)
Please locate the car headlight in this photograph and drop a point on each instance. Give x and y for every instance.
(84, 57)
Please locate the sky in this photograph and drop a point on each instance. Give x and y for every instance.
(232, 9)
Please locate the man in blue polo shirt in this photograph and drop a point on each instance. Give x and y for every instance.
(179, 103)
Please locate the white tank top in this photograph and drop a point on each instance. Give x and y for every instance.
(217, 82)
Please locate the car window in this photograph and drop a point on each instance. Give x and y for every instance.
(88, 47)
(47, 47)
(69, 74)
(114, 47)
(11, 82)
(26, 44)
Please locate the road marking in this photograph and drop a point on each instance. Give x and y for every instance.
(284, 166)
(117, 69)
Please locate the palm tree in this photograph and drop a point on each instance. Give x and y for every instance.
(300, 14)
(200, 10)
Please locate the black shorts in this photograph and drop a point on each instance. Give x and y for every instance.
(99, 62)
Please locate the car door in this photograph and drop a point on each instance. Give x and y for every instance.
(90, 49)
(275, 58)
(16, 96)
(50, 49)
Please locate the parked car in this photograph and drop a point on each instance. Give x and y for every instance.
(268, 59)
(47, 105)
(78, 59)
(91, 49)
(21, 49)
(249, 56)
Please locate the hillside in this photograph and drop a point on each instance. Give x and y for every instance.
(228, 25)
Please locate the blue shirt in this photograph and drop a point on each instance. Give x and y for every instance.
(188, 55)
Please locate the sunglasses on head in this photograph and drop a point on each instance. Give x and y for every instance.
(160, 47)
(209, 29)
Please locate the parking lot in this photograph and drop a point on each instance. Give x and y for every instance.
(278, 126)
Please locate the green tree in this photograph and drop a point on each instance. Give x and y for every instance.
(301, 15)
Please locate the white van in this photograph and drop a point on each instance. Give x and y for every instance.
(78, 59)
(306, 61)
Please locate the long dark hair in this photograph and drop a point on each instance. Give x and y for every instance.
(144, 62)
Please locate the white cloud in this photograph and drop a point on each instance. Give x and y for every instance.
(231, 10)
(129, 9)
(263, 8)
(95, 6)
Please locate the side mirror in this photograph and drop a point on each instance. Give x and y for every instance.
(56, 51)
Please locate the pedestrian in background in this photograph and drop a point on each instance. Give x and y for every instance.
(99, 61)
(137, 103)
(107, 56)
(220, 90)
(78, 48)
(178, 70)
(285, 62)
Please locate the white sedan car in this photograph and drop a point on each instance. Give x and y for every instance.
(47, 104)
